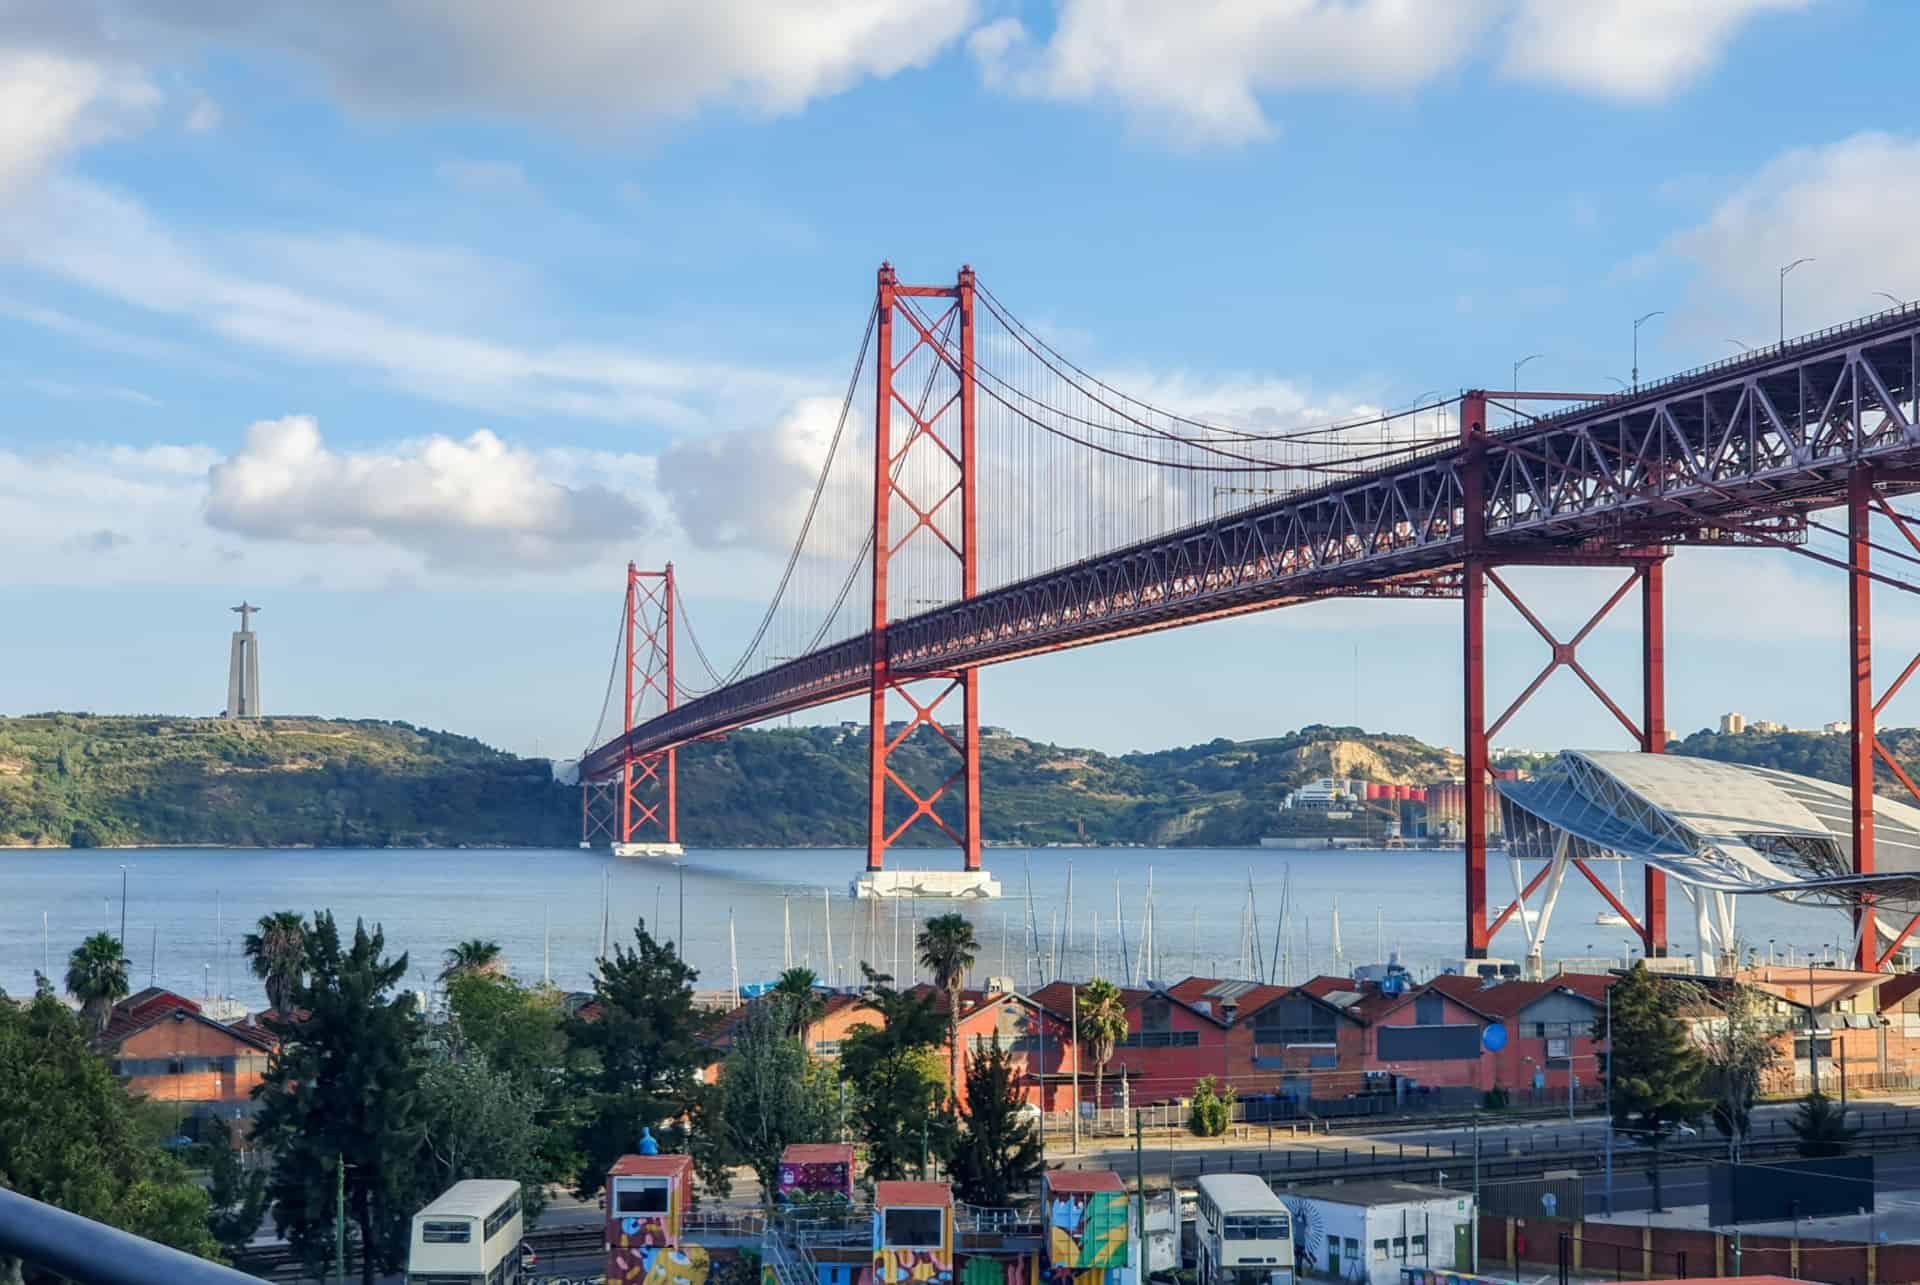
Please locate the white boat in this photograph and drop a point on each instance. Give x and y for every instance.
(1609, 917)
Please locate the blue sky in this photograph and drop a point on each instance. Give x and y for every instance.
(392, 317)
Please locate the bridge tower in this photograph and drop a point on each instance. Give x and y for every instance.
(1867, 488)
(924, 508)
(1481, 568)
(648, 787)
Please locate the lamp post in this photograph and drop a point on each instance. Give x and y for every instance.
(1637, 323)
(1609, 1083)
(1516, 376)
(1783, 295)
(123, 906)
(1742, 347)
(1894, 300)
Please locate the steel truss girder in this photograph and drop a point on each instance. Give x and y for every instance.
(1735, 451)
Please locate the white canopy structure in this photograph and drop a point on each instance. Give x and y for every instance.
(1718, 829)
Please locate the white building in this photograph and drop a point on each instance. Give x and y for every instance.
(1321, 795)
(1369, 1231)
(1732, 724)
(1836, 729)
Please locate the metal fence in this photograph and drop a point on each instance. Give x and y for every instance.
(92, 1253)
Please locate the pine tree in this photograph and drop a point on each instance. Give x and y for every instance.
(343, 1090)
(1821, 1125)
(1655, 1065)
(997, 1156)
(642, 1060)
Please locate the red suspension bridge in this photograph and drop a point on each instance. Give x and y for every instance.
(988, 499)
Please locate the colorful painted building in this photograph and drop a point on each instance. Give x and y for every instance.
(1089, 1237)
(912, 1233)
(646, 1203)
(817, 1170)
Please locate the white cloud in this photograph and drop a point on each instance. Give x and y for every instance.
(320, 304)
(204, 116)
(1195, 72)
(50, 104)
(590, 59)
(1629, 49)
(1852, 205)
(493, 177)
(476, 502)
(749, 489)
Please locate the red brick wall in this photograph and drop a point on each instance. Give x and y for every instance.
(167, 1040)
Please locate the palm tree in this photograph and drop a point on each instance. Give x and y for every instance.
(947, 947)
(803, 1002)
(471, 958)
(278, 952)
(1103, 1024)
(97, 977)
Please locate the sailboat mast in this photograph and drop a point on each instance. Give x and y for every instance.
(826, 908)
(786, 931)
(733, 959)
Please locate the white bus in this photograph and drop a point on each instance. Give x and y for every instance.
(1243, 1231)
(469, 1236)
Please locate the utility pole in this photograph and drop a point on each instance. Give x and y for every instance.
(1140, 1176)
(1475, 1117)
(1609, 1199)
(1073, 1002)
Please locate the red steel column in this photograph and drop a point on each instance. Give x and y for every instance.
(969, 573)
(1860, 680)
(1473, 419)
(673, 760)
(626, 713)
(882, 543)
(1653, 730)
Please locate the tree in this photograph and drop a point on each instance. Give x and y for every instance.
(344, 1089)
(1211, 1110)
(1655, 1066)
(997, 1156)
(70, 1136)
(1821, 1125)
(640, 1058)
(947, 947)
(896, 1080)
(800, 985)
(478, 1121)
(97, 977)
(236, 1196)
(277, 950)
(1739, 1050)
(772, 1092)
(1102, 1018)
(472, 957)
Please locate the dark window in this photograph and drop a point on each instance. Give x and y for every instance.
(446, 1233)
(1430, 1010)
(1155, 1015)
(634, 1199)
(1429, 1043)
(1160, 1040)
(509, 1210)
(1255, 1227)
(442, 1278)
(914, 1228)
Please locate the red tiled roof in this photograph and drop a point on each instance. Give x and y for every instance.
(152, 1006)
(651, 1166)
(1322, 986)
(1593, 985)
(1088, 1180)
(1464, 991)
(818, 1153)
(902, 1192)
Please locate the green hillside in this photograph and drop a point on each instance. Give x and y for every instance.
(79, 779)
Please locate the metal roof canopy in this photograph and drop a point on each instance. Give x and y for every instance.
(1722, 827)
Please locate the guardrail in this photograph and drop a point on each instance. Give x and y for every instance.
(92, 1253)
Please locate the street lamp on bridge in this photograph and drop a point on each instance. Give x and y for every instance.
(1637, 323)
(1892, 299)
(1516, 376)
(1783, 295)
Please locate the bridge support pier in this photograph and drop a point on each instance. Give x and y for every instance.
(1481, 569)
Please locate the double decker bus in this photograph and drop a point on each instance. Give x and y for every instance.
(470, 1235)
(1244, 1232)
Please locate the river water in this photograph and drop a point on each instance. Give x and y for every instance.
(187, 909)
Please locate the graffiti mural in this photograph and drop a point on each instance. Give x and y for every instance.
(919, 1266)
(1086, 1237)
(681, 1265)
(818, 1178)
(632, 1246)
